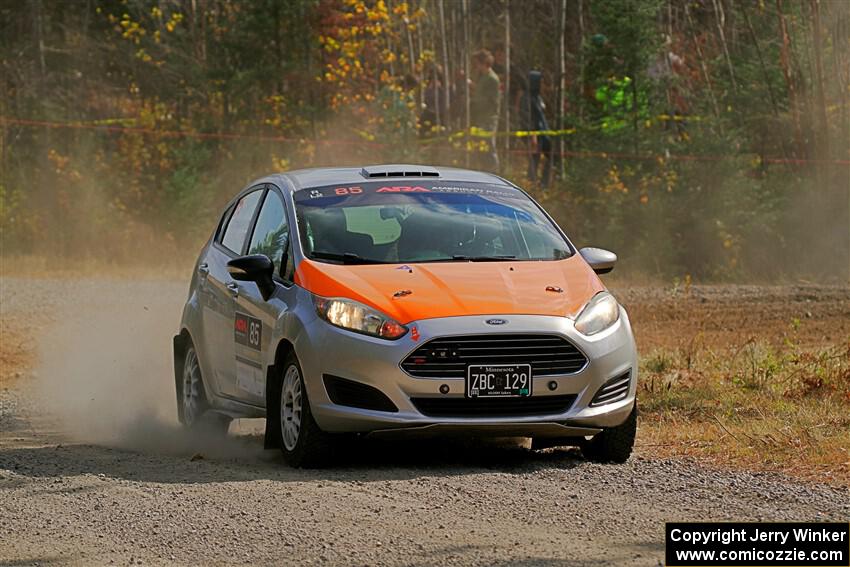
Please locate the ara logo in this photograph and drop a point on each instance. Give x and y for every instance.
(496, 321)
(403, 189)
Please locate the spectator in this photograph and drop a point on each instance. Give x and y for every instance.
(457, 105)
(484, 107)
(534, 118)
(433, 114)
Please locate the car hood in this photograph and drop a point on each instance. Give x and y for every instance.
(454, 289)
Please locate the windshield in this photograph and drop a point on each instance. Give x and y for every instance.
(426, 221)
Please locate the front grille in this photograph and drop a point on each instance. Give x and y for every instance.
(448, 357)
(353, 394)
(493, 407)
(613, 390)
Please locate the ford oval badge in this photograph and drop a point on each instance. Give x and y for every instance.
(496, 321)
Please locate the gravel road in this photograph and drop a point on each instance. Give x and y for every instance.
(93, 469)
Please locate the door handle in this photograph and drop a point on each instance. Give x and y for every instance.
(203, 268)
(234, 289)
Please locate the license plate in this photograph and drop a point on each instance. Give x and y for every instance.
(502, 381)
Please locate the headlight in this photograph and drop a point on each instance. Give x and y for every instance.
(357, 317)
(601, 312)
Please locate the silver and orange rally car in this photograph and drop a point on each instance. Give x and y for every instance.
(403, 300)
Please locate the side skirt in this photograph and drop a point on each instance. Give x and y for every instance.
(235, 408)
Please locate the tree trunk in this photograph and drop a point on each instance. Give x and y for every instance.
(390, 45)
(785, 62)
(581, 77)
(308, 57)
(465, 51)
(774, 106)
(562, 85)
(765, 75)
(720, 16)
(411, 53)
(702, 65)
(278, 48)
(841, 64)
(421, 70)
(508, 100)
(824, 150)
(447, 72)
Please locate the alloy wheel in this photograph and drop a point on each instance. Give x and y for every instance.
(290, 407)
(191, 388)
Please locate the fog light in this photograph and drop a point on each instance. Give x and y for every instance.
(553, 385)
(444, 389)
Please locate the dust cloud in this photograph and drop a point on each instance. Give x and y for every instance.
(106, 377)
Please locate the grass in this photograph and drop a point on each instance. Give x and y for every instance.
(755, 406)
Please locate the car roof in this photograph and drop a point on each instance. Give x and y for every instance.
(299, 179)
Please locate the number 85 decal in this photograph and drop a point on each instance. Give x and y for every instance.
(248, 331)
(348, 190)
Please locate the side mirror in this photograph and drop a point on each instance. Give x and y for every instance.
(602, 261)
(257, 268)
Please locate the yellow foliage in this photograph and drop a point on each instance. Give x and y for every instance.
(143, 55)
(172, 23)
(613, 182)
(62, 166)
(400, 9)
(280, 163)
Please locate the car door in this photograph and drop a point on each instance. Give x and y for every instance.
(221, 291)
(270, 237)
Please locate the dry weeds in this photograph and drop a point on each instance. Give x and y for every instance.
(755, 406)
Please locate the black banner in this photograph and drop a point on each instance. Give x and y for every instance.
(745, 544)
(248, 331)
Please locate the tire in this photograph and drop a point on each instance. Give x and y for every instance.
(194, 410)
(302, 441)
(613, 445)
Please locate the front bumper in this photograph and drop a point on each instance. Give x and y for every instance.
(325, 349)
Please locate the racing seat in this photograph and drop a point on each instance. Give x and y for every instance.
(330, 234)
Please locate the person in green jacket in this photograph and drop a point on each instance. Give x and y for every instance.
(484, 108)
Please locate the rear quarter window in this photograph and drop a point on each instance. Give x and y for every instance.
(240, 221)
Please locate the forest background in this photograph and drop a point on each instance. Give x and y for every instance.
(704, 139)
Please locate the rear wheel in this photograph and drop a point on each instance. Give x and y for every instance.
(303, 443)
(613, 445)
(194, 410)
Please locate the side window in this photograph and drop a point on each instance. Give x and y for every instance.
(240, 221)
(271, 235)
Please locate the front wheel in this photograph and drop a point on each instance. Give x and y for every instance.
(303, 443)
(613, 445)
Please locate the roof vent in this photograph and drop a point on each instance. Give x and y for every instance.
(374, 171)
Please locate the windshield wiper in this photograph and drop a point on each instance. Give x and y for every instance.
(464, 258)
(344, 258)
